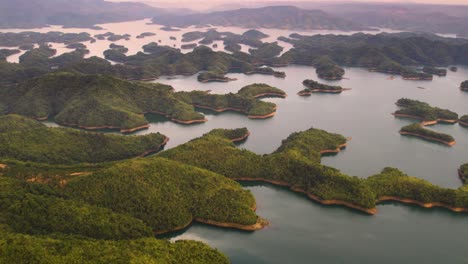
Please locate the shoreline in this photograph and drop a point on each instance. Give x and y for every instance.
(129, 130)
(155, 150)
(322, 91)
(218, 80)
(424, 205)
(464, 124)
(244, 137)
(270, 95)
(188, 122)
(220, 110)
(451, 143)
(426, 123)
(370, 211)
(259, 224)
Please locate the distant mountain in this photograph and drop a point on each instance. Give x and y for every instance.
(69, 13)
(282, 17)
(448, 19)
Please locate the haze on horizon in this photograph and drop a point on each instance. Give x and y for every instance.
(210, 4)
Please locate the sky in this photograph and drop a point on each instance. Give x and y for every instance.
(207, 4)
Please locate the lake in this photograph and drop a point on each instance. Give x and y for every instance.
(302, 231)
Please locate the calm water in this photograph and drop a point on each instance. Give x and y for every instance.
(302, 231)
(135, 28)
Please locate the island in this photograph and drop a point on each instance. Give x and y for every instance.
(417, 130)
(112, 36)
(169, 29)
(76, 46)
(205, 77)
(435, 71)
(422, 111)
(245, 101)
(301, 152)
(464, 86)
(145, 34)
(416, 76)
(98, 102)
(266, 71)
(463, 121)
(316, 87)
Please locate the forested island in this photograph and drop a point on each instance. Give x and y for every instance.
(464, 86)
(316, 87)
(463, 121)
(245, 101)
(435, 71)
(296, 164)
(104, 102)
(417, 130)
(111, 206)
(422, 111)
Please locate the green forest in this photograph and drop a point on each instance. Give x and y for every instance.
(423, 110)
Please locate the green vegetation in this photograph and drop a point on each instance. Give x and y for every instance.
(96, 101)
(297, 163)
(266, 50)
(464, 120)
(124, 200)
(10, 39)
(419, 131)
(37, 209)
(316, 86)
(244, 101)
(112, 37)
(188, 46)
(4, 53)
(164, 194)
(463, 172)
(424, 111)
(267, 71)
(28, 140)
(392, 182)
(76, 46)
(436, 71)
(390, 53)
(212, 77)
(327, 69)
(16, 248)
(464, 85)
(145, 34)
(260, 89)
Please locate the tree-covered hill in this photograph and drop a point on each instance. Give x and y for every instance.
(96, 101)
(28, 140)
(296, 164)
